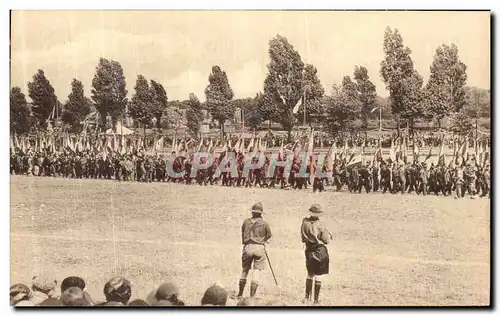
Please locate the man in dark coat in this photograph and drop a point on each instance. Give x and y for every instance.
(315, 236)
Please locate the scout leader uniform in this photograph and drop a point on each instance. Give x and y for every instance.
(315, 236)
(255, 232)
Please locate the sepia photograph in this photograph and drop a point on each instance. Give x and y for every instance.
(272, 158)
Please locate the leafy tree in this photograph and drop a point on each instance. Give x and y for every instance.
(109, 91)
(141, 105)
(267, 108)
(478, 102)
(19, 112)
(314, 92)
(160, 101)
(367, 93)
(284, 84)
(401, 79)
(43, 98)
(219, 95)
(77, 107)
(342, 108)
(194, 115)
(445, 90)
(461, 123)
(252, 111)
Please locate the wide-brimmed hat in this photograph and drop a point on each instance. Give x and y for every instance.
(315, 209)
(257, 208)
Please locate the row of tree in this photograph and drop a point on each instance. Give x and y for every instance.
(290, 87)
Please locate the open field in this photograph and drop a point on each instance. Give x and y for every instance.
(387, 249)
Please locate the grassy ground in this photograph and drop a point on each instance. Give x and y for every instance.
(387, 250)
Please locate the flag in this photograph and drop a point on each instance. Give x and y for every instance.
(159, 144)
(201, 144)
(332, 154)
(281, 153)
(251, 144)
(310, 144)
(356, 159)
(440, 159)
(297, 106)
(242, 146)
(405, 150)
(210, 146)
(392, 152)
(377, 156)
(416, 150)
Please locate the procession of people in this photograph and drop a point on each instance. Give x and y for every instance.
(344, 169)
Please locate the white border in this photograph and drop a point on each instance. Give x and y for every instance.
(186, 4)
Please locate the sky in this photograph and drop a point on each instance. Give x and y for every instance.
(179, 48)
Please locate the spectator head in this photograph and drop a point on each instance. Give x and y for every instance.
(19, 292)
(214, 295)
(118, 290)
(138, 302)
(71, 296)
(44, 285)
(51, 302)
(168, 292)
(71, 282)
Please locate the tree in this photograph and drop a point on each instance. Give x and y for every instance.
(194, 115)
(160, 101)
(401, 79)
(313, 93)
(445, 90)
(342, 108)
(284, 85)
(219, 95)
(141, 105)
(367, 93)
(478, 102)
(109, 91)
(43, 98)
(77, 107)
(19, 112)
(251, 110)
(267, 108)
(461, 123)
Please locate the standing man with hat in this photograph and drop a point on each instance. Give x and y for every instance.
(255, 232)
(315, 236)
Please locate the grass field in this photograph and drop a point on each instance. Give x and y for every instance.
(387, 249)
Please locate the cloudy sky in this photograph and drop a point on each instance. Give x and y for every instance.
(179, 48)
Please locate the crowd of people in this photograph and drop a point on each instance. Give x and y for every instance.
(457, 177)
(118, 291)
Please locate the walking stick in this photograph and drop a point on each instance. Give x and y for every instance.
(270, 266)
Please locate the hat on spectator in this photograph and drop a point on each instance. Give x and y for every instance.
(71, 295)
(257, 208)
(214, 295)
(72, 281)
(19, 292)
(315, 209)
(118, 290)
